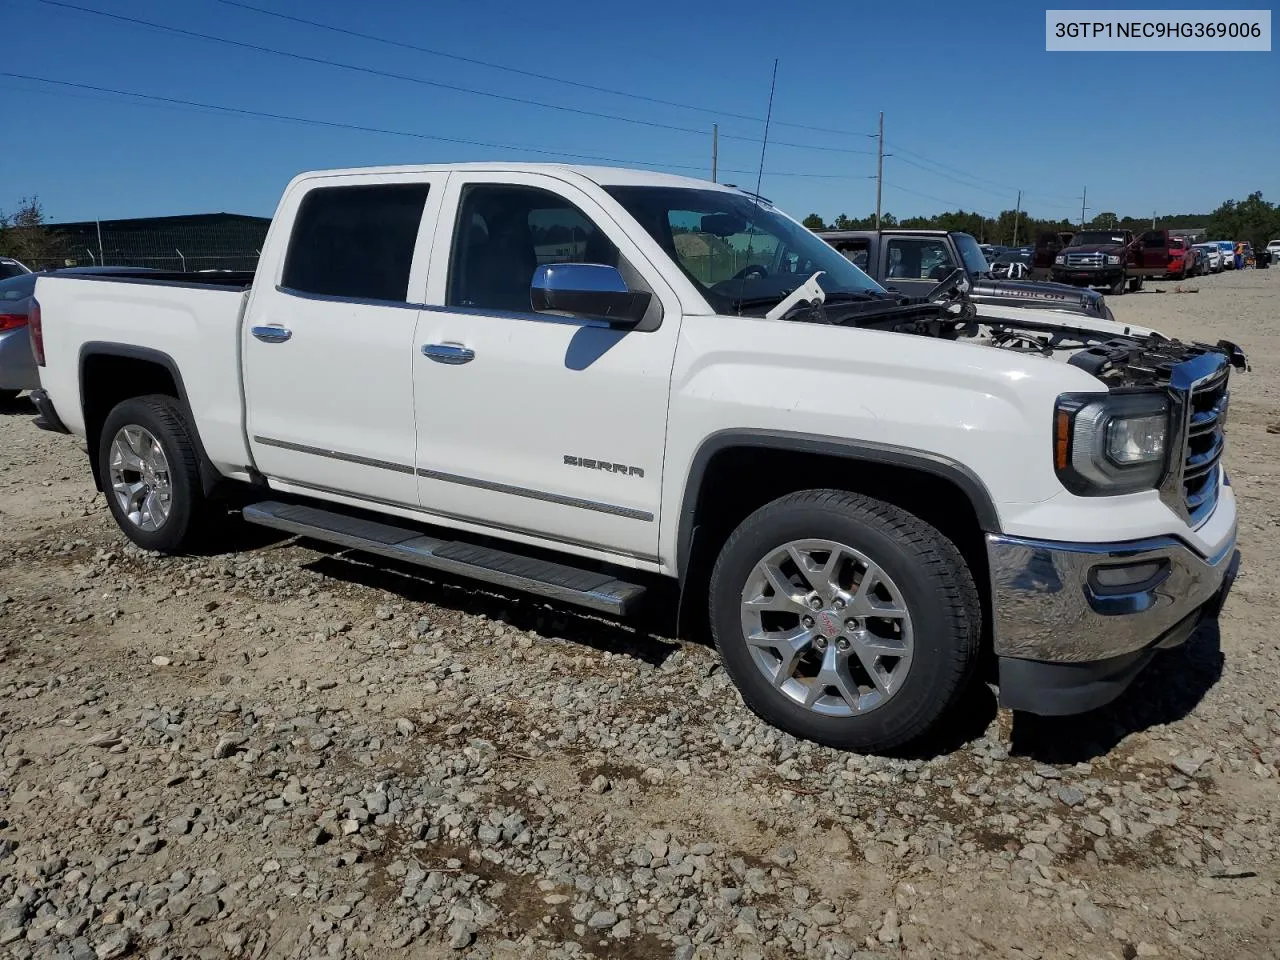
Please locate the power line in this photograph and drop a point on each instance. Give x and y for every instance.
(335, 124)
(929, 196)
(1001, 189)
(430, 51)
(370, 71)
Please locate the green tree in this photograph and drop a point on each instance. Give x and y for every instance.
(1252, 219)
(24, 236)
(814, 222)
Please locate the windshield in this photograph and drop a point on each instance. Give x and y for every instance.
(11, 269)
(974, 262)
(740, 254)
(1097, 238)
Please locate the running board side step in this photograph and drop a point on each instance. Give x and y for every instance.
(585, 588)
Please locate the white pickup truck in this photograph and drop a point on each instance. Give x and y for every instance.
(574, 382)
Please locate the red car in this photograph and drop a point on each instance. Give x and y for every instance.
(1182, 259)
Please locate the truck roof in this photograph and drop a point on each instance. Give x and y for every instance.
(602, 175)
(842, 234)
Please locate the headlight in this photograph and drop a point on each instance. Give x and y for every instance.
(1112, 259)
(1105, 445)
(1059, 259)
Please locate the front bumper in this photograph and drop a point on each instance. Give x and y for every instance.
(1073, 623)
(1088, 276)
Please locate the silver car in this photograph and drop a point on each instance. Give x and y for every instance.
(17, 363)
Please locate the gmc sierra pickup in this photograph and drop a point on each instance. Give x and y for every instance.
(575, 381)
(912, 262)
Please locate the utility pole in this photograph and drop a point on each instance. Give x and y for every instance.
(1083, 194)
(880, 170)
(102, 257)
(1017, 213)
(1153, 219)
(715, 149)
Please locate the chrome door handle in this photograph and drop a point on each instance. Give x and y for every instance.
(272, 334)
(448, 352)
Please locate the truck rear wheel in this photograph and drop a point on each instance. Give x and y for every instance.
(845, 620)
(149, 468)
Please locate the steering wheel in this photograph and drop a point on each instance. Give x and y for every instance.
(751, 270)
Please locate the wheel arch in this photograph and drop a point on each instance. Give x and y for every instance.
(101, 367)
(938, 489)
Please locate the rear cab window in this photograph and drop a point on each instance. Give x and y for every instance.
(355, 242)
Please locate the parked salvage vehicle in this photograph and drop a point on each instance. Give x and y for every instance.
(1114, 259)
(913, 262)
(577, 382)
(1182, 261)
(1212, 257)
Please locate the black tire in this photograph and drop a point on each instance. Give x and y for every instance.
(935, 583)
(1117, 288)
(1135, 284)
(162, 417)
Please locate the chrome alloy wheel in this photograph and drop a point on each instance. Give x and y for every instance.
(140, 478)
(827, 627)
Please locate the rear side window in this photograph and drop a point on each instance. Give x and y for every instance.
(355, 242)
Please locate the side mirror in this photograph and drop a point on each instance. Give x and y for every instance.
(590, 290)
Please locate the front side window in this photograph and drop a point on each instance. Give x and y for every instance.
(505, 232)
(743, 256)
(355, 242)
(913, 259)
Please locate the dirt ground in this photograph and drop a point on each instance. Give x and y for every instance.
(284, 751)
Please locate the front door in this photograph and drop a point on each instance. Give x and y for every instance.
(328, 347)
(549, 426)
(915, 265)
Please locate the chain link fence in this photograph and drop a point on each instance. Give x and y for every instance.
(219, 241)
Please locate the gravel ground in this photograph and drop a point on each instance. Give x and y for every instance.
(284, 752)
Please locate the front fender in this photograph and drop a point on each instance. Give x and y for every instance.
(981, 414)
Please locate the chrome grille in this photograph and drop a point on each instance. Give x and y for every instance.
(1198, 390)
(1084, 259)
(1206, 441)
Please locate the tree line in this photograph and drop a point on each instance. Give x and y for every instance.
(23, 234)
(1253, 219)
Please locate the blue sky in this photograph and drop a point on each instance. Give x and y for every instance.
(964, 85)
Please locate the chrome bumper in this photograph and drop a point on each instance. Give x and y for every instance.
(1050, 604)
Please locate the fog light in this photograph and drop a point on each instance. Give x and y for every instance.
(1127, 577)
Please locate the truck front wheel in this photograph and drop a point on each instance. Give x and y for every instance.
(149, 469)
(845, 620)
(1135, 284)
(1117, 288)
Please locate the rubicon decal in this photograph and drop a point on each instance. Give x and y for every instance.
(605, 465)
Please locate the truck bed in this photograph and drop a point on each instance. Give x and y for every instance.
(187, 322)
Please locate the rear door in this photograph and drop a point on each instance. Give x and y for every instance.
(329, 340)
(915, 265)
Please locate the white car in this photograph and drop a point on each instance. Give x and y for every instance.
(1213, 257)
(576, 382)
(1273, 248)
